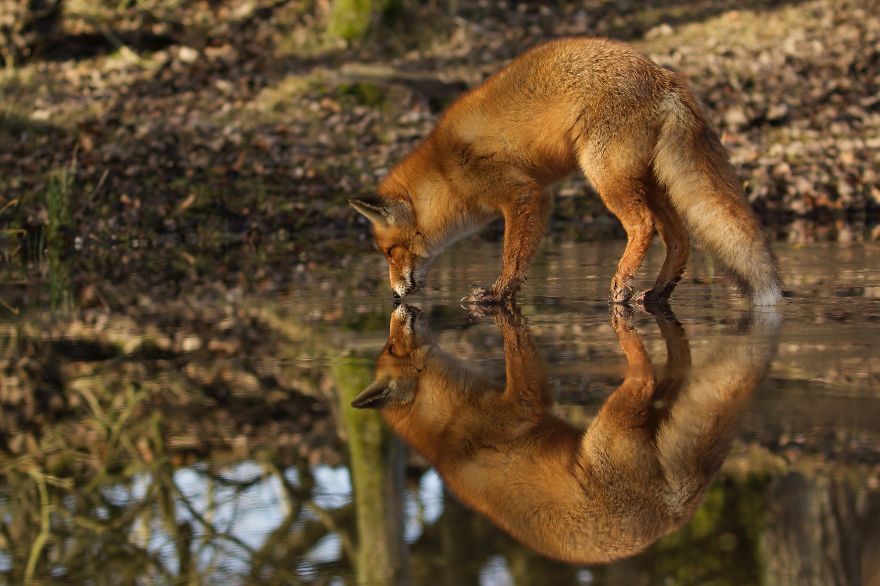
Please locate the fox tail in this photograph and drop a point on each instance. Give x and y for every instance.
(691, 163)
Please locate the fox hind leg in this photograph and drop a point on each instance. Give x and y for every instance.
(626, 198)
(675, 239)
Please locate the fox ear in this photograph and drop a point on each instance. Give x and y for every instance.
(373, 209)
(374, 396)
(385, 211)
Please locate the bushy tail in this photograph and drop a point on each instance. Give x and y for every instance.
(691, 163)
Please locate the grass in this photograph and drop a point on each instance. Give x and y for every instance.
(48, 246)
(5, 210)
(57, 198)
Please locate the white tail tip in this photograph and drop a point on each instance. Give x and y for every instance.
(768, 296)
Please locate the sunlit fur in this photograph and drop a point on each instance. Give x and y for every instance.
(586, 496)
(632, 127)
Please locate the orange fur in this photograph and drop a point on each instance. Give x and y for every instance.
(587, 496)
(633, 128)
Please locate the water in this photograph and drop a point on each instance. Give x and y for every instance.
(187, 420)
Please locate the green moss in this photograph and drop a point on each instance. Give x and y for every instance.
(724, 530)
(351, 19)
(366, 322)
(280, 96)
(364, 93)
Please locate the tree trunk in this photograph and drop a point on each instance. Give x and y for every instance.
(378, 460)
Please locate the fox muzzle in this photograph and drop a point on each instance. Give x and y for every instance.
(406, 286)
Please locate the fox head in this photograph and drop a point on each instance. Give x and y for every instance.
(398, 237)
(401, 363)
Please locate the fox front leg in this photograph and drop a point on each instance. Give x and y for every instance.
(527, 385)
(525, 219)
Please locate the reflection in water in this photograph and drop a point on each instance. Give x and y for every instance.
(637, 473)
(377, 467)
(181, 425)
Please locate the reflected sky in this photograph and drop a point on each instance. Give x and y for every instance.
(205, 436)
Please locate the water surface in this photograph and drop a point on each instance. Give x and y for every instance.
(188, 420)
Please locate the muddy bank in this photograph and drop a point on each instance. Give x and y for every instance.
(247, 129)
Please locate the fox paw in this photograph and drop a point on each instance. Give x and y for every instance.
(482, 302)
(651, 299)
(481, 296)
(621, 315)
(621, 294)
(650, 296)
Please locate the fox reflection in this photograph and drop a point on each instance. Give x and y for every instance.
(638, 472)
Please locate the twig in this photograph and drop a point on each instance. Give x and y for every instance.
(13, 310)
(9, 204)
(43, 536)
(100, 184)
(330, 523)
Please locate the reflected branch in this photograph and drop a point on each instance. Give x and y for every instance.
(43, 536)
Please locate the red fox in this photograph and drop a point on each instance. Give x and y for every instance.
(632, 127)
(637, 473)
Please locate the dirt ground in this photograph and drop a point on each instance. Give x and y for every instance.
(237, 123)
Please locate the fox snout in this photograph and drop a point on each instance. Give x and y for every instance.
(405, 316)
(403, 288)
(409, 329)
(406, 284)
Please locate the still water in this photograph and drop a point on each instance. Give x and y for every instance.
(176, 425)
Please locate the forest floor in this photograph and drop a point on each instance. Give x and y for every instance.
(238, 125)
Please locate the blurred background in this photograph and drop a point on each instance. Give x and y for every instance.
(187, 303)
(144, 119)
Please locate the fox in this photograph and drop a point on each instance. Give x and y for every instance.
(638, 472)
(633, 128)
